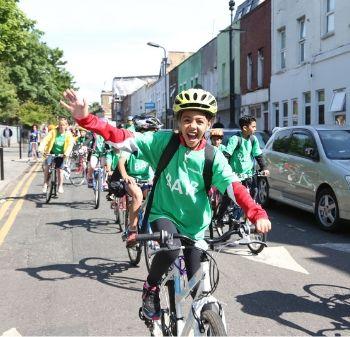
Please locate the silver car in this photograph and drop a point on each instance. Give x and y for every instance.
(310, 169)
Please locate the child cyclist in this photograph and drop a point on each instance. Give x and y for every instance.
(180, 201)
(216, 136)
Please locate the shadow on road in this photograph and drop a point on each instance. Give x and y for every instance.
(93, 225)
(327, 301)
(100, 269)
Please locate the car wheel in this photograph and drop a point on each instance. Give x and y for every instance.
(263, 192)
(327, 210)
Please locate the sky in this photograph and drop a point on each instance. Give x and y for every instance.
(102, 39)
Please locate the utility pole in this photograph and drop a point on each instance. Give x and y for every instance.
(232, 71)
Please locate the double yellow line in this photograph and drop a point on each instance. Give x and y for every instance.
(26, 181)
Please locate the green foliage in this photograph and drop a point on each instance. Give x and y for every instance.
(94, 107)
(32, 72)
(32, 113)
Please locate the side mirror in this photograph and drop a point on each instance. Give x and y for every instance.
(311, 152)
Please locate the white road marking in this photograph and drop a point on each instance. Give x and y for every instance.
(342, 247)
(11, 333)
(273, 256)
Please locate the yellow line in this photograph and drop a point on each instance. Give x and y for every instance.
(12, 217)
(10, 200)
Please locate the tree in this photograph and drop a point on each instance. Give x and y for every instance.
(32, 113)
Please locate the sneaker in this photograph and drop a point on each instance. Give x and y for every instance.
(110, 197)
(45, 188)
(90, 183)
(131, 239)
(150, 302)
(60, 189)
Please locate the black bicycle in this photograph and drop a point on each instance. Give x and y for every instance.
(52, 178)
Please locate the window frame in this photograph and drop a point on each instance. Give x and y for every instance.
(311, 136)
(285, 113)
(249, 71)
(306, 105)
(260, 68)
(282, 47)
(319, 104)
(301, 39)
(295, 116)
(330, 12)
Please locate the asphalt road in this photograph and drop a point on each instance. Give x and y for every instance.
(64, 271)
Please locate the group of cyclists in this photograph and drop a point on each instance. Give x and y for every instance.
(179, 203)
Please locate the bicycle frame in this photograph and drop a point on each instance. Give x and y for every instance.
(192, 321)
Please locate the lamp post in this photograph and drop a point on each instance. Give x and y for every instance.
(231, 5)
(165, 61)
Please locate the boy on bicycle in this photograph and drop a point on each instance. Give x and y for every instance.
(180, 201)
(59, 141)
(242, 150)
(132, 168)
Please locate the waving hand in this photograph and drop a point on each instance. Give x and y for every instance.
(78, 108)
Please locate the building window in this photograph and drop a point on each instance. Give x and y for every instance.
(302, 37)
(249, 71)
(248, 8)
(320, 104)
(285, 113)
(239, 15)
(295, 111)
(282, 36)
(307, 107)
(260, 67)
(330, 16)
(338, 105)
(276, 110)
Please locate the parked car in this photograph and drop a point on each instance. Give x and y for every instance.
(310, 169)
(262, 136)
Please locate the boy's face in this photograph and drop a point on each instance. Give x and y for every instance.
(250, 129)
(192, 125)
(216, 140)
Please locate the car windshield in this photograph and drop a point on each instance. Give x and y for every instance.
(336, 143)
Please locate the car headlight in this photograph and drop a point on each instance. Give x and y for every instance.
(348, 179)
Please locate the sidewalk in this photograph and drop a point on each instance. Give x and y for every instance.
(14, 168)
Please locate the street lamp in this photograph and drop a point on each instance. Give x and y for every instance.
(165, 61)
(231, 5)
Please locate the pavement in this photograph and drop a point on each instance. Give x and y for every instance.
(14, 168)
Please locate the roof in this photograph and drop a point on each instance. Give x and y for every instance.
(246, 7)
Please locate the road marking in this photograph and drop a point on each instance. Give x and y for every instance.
(11, 333)
(274, 256)
(342, 247)
(10, 200)
(12, 217)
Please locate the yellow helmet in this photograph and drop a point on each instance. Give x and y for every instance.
(216, 132)
(195, 99)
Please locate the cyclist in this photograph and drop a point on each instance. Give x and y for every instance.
(130, 124)
(216, 136)
(58, 141)
(180, 201)
(132, 168)
(242, 150)
(99, 150)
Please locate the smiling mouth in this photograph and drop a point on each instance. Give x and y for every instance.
(192, 137)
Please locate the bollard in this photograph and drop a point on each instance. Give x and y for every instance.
(2, 163)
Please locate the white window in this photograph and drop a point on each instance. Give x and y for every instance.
(330, 16)
(277, 113)
(295, 111)
(285, 113)
(282, 37)
(260, 67)
(307, 107)
(338, 101)
(320, 105)
(302, 37)
(249, 71)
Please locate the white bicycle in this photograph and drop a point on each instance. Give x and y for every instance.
(205, 316)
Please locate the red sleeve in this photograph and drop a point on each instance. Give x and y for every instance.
(253, 210)
(107, 131)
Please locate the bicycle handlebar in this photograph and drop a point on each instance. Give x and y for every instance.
(164, 236)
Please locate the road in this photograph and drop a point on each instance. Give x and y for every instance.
(64, 271)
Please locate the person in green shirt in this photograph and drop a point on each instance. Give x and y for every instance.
(180, 203)
(242, 150)
(130, 124)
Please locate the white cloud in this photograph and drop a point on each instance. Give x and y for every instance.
(107, 38)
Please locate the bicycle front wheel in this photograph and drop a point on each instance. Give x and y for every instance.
(97, 190)
(257, 248)
(50, 188)
(77, 172)
(135, 254)
(213, 324)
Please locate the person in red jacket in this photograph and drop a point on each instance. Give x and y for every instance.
(180, 201)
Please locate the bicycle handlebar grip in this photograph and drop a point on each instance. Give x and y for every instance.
(148, 237)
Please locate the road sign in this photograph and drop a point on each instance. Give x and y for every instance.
(150, 105)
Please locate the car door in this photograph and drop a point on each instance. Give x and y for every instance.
(302, 165)
(276, 155)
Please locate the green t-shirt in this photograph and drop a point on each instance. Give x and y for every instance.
(58, 145)
(180, 193)
(130, 127)
(242, 157)
(99, 147)
(222, 147)
(112, 159)
(136, 167)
